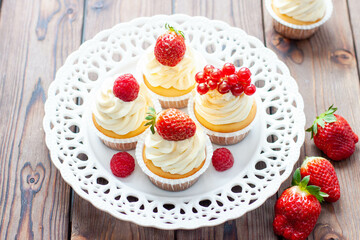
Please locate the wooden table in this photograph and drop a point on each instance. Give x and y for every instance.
(37, 36)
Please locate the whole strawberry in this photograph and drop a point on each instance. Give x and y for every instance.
(170, 47)
(297, 209)
(126, 87)
(171, 124)
(322, 174)
(333, 135)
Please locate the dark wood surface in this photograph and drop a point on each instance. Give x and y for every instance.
(37, 36)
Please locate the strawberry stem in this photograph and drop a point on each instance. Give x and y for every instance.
(172, 29)
(151, 119)
(326, 117)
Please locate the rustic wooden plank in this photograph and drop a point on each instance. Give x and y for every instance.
(246, 15)
(35, 38)
(354, 8)
(87, 221)
(325, 69)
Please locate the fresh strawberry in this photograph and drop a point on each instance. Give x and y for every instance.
(222, 159)
(126, 87)
(122, 164)
(171, 124)
(297, 209)
(333, 135)
(170, 47)
(322, 174)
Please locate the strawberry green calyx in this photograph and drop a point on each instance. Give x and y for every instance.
(151, 119)
(172, 29)
(326, 117)
(303, 184)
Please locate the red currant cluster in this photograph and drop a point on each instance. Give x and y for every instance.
(225, 80)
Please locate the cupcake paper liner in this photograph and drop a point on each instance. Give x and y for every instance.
(225, 138)
(172, 184)
(114, 143)
(293, 31)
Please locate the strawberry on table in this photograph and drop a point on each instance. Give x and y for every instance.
(170, 47)
(333, 135)
(171, 124)
(322, 174)
(297, 209)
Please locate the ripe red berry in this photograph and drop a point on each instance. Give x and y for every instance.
(208, 69)
(170, 47)
(243, 74)
(237, 89)
(245, 83)
(122, 164)
(216, 74)
(212, 84)
(222, 159)
(199, 77)
(126, 87)
(250, 90)
(223, 87)
(202, 88)
(233, 79)
(228, 68)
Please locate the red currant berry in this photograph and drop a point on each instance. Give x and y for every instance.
(208, 69)
(212, 84)
(216, 74)
(233, 79)
(228, 69)
(243, 74)
(245, 83)
(237, 89)
(250, 90)
(199, 77)
(224, 87)
(202, 88)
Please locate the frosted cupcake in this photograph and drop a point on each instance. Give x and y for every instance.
(224, 103)
(119, 110)
(175, 153)
(299, 19)
(169, 67)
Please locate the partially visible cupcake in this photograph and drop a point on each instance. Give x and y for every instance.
(175, 153)
(299, 19)
(224, 104)
(119, 110)
(169, 67)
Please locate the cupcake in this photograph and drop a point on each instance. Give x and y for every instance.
(299, 19)
(119, 110)
(175, 153)
(169, 67)
(224, 103)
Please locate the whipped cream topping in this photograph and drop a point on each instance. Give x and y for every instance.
(176, 157)
(116, 115)
(221, 109)
(302, 10)
(181, 76)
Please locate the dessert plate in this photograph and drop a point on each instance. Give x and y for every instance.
(262, 161)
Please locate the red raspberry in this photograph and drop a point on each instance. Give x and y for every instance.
(126, 87)
(222, 159)
(122, 164)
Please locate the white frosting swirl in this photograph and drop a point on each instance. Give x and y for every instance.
(116, 115)
(181, 76)
(302, 10)
(176, 157)
(221, 109)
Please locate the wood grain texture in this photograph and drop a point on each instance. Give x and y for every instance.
(246, 15)
(326, 71)
(87, 221)
(354, 8)
(34, 200)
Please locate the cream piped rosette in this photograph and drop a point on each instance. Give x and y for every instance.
(180, 77)
(113, 114)
(301, 9)
(171, 148)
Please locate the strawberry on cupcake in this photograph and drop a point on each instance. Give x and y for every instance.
(175, 152)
